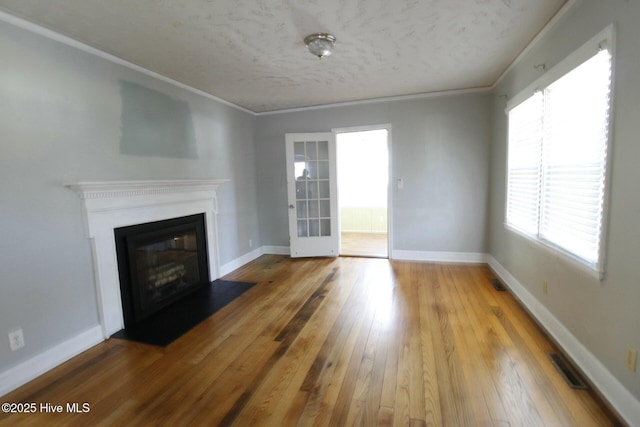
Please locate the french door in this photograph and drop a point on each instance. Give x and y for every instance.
(312, 194)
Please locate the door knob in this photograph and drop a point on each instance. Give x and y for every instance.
(291, 207)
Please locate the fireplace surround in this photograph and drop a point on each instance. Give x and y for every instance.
(114, 204)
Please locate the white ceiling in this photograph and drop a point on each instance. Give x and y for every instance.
(250, 52)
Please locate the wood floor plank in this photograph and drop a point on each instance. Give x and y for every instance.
(328, 365)
(473, 369)
(385, 417)
(299, 361)
(373, 396)
(345, 396)
(432, 405)
(285, 338)
(389, 382)
(457, 409)
(328, 386)
(524, 331)
(518, 354)
(485, 360)
(331, 342)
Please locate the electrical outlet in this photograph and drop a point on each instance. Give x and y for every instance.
(545, 287)
(632, 357)
(16, 340)
(250, 243)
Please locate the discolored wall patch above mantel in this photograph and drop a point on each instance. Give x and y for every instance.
(154, 124)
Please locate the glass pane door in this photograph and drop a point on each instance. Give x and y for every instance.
(311, 170)
(312, 194)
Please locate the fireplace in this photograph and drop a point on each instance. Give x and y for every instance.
(108, 205)
(160, 262)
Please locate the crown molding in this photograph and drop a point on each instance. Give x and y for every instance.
(455, 92)
(561, 14)
(52, 35)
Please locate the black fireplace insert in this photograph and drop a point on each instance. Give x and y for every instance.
(159, 263)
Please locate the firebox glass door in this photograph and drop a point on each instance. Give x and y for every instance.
(166, 267)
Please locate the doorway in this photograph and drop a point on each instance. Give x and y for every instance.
(363, 182)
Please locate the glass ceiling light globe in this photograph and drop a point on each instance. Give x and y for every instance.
(320, 44)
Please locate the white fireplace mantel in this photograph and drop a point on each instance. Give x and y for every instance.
(112, 204)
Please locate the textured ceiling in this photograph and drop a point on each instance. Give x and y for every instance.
(250, 52)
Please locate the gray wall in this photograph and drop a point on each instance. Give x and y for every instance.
(439, 148)
(603, 316)
(61, 120)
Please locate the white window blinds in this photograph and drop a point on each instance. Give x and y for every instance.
(576, 122)
(523, 174)
(557, 156)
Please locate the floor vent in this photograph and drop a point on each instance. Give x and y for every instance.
(498, 285)
(568, 373)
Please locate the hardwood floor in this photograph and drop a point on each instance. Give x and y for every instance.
(364, 244)
(331, 342)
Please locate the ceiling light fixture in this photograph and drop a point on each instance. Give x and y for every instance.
(320, 44)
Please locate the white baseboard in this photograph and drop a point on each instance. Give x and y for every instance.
(465, 257)
(276, 250)
(254, 254)
(364, 231)
(239, 262)
(627, 406)
(28, 370)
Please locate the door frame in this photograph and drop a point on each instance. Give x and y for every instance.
(387, 127)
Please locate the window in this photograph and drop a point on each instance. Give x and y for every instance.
(557, 158)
